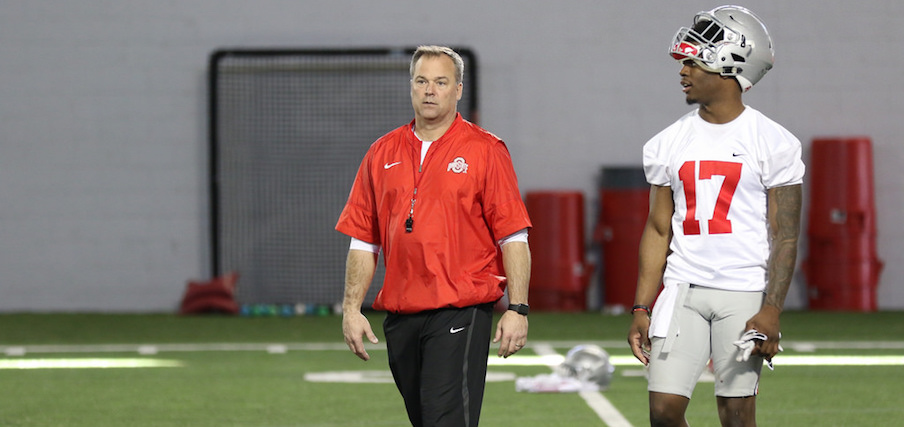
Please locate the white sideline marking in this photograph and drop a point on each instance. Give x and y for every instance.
(21, 350)
(357, 377)
(277, 349)
(780, 360)
(88, 363)
(597, 402)
(802, 346)
(150, 349)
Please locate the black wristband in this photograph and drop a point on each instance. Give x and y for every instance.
(521, 309)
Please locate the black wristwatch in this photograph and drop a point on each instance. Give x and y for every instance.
(521, 309)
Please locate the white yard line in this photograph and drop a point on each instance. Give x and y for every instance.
(150, 349)
(608, 414)
(604, 409)
(545, 355)
(147, 349)
(789, 344)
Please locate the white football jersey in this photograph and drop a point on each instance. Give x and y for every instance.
(719, 175)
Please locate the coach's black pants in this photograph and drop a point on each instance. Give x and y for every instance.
(438, 359)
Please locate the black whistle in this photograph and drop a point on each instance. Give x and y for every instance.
(409, 224)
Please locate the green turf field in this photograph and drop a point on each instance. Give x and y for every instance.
(240, 371)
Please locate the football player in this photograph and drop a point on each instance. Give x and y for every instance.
(722, 231)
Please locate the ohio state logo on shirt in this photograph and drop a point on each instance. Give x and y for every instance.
(458, 165)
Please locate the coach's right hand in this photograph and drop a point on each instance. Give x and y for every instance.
(354, 325)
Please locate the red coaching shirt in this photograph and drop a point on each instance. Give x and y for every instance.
(461, 200)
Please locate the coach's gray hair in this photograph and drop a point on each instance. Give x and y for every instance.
(438, 51)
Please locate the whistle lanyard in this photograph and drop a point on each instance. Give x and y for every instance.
(409, 223)
(418, 174)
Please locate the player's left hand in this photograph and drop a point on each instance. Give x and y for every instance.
(511, 333)
(767, 323)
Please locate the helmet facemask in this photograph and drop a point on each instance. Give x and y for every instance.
(737, 45)
(700, 45)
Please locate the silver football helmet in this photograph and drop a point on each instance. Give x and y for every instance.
(587, 363)
(729, 40)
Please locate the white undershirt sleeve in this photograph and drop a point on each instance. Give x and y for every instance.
(518, 236)
(364, 246)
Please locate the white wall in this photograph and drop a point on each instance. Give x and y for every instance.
(103, 114)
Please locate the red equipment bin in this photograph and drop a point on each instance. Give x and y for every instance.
(559, 272)
(624, 204)
(842, 267)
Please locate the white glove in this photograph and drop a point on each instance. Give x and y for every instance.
(747, 343)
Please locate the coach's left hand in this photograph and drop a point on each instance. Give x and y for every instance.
(511, 333)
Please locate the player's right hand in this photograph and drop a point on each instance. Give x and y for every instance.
(354, 325)
(638, 338)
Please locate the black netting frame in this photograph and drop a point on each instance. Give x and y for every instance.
(288, 129)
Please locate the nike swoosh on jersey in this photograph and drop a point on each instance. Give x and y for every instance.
(455, 330)
(389, 165)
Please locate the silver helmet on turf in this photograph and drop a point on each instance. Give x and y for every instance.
(729, 40)
(587, 363)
